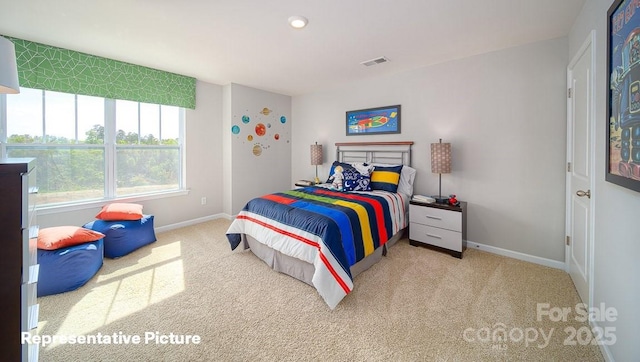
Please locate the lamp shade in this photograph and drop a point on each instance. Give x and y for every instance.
(441, 157)
(8, 67)
(316, 154)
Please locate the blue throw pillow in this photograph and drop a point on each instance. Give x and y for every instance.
(345, 166)
(355, 181)
(386, 178)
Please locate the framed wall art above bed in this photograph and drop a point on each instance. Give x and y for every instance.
(371, 121)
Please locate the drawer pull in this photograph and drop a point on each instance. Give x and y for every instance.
(433, 217)
(434, 236)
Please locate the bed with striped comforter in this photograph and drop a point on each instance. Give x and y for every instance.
(330, 229)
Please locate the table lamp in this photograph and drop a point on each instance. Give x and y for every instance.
(440, 163)
(316, 159)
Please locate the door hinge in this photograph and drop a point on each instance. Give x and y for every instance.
(568, 240)
(568, 166)
(569, 93)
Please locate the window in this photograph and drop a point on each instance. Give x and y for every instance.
(92, 148)
(146, 160)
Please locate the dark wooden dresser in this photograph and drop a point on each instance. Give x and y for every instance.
(18, 260)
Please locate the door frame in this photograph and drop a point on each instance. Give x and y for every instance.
(590, 41)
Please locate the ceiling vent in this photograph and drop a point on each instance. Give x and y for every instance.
(375, 61)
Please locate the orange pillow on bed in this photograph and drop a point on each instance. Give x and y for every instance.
(120, 211)
(62, 236)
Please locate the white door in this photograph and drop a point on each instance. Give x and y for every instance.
(580, 172)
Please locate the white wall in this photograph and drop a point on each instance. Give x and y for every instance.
(617, 210)
(203, 161)
(503, 112)
(260, 164)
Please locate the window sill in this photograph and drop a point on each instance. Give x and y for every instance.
(54, 209)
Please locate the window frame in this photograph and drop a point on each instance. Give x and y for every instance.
(110, 155)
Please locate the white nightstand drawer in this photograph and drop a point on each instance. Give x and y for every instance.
(446, 219)
(435, 236)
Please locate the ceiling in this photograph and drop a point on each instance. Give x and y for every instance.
(249, 42)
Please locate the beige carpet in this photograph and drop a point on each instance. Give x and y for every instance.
(415, 305)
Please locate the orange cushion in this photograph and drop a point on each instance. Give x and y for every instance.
(120, 211)
(62, 236)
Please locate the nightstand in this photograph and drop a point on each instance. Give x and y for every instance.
(439, 225)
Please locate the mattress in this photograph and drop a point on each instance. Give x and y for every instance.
(69, 268)
(330, 230)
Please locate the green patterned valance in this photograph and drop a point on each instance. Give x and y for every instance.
(46, 67)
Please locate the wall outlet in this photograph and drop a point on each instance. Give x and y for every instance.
(203, 201)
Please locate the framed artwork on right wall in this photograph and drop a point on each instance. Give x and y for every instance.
(623, 95)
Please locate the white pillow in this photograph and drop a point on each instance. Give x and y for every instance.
(407, 176)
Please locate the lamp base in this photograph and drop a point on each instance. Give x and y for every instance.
(316, 180)
(441, 199)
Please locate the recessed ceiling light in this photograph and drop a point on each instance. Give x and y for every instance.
(298, 21)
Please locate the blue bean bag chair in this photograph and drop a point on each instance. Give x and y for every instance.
(68, 268)
(123, 237)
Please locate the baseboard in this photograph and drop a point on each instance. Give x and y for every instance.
(192, 222)
(516, 255)
(606, 353)
(604, 348)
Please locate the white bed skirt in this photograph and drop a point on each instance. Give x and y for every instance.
(303, 270)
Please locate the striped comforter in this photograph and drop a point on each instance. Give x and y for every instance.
(331, 230)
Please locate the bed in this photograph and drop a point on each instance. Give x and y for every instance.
(326, 237)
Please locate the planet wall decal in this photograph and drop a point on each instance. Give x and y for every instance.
(266, 111)
(235, 129)
(245, 119)
(257, 150)
(261, 129)
(283, 119)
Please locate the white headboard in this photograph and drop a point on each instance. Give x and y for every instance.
(397, 153)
